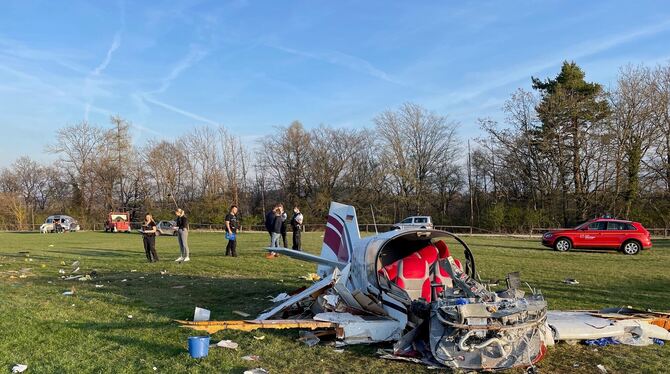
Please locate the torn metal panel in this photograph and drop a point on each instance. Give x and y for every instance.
(318, 286)
(586, 326)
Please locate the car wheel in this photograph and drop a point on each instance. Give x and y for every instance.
(562, 245)
(631, 248)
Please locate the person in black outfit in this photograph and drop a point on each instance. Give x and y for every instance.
(231, 231)
(296, 226)
(149, 238)
(270, 221)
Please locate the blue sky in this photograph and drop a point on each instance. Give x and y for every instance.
(168, 66)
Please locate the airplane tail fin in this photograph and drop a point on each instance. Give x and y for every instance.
(340, 235)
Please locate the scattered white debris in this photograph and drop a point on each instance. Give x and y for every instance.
(124, 280)
(601, 368)
(51, 245)
(227, 344)
(570, 281)
(281, 297)
(133, 271)
(251, 358)
(256, 371)
(242, 314)
(259, 337)
(178, 287)
(201, 314)
(68, 293)
(155, 368)
(19, 368)
(130, 316)
(61, 271)
(338, 350)
(163, 272)
(99, 286)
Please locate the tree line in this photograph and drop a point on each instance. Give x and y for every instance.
(566, 151)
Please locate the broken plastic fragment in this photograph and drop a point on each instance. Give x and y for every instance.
(242, 314)
(19, 368)
(281, 297)
(256, 371)
(259, 337)
(601, 368)
(227, 344)
(201, 314)
(68, 293)
(251, 358)
(570, 281)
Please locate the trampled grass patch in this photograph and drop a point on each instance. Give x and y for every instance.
(91, 331)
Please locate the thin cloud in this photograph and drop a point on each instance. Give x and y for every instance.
(97, 71)
(341, 59)
(116, 43)
(193, 57)
(183, 112)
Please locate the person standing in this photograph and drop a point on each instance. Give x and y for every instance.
(270, 221)
(149, 238)
(182, 236)
(276, 228)
(284, 229)
(296, 226)
(231, 231)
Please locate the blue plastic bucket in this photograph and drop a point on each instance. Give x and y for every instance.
(198, 346)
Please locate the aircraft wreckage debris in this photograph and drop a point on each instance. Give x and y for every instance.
(405, 287)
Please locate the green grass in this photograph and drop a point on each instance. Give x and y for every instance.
(91, 331)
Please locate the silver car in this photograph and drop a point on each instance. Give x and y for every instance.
(414, 222)
(166, 228)
(59, 223)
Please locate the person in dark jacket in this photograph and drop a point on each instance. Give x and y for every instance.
(270, 221)
(182, 236)
(276, 228)
(296, 226)
(149, 238)
(231, 231)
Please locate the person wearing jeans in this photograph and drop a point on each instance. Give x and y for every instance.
(182, 236)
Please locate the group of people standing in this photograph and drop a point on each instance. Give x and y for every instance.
(275, 222)
(276, 225)
(149, 237)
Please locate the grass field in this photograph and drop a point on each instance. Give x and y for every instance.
(91, 332)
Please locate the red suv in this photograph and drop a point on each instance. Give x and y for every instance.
(626, 236)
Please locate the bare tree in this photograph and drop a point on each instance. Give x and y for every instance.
(415, 143)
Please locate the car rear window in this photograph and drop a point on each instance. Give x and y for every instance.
(620, 226)
(421, 220)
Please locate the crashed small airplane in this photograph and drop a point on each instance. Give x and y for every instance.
(405, 287)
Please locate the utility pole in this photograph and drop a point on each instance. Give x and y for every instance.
(472, 210)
